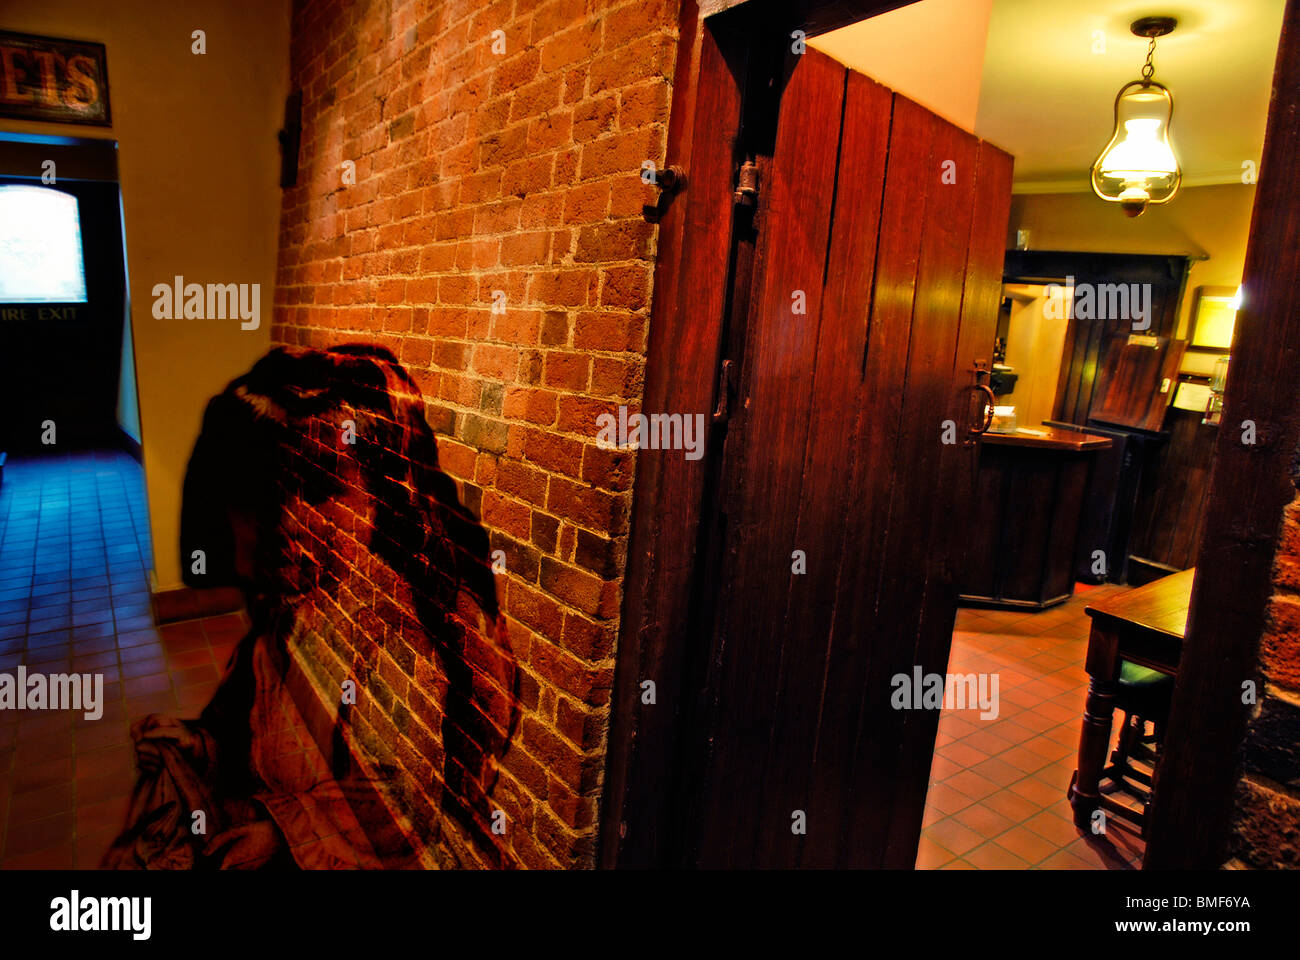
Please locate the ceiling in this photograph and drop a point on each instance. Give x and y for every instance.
(1047, 98)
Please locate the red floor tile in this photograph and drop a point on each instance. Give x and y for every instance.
(1005, 780)
(991, 856)
(953, 835)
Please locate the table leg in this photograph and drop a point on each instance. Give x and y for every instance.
(1094, 739)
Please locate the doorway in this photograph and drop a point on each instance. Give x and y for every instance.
(850, 361)
(674, 504)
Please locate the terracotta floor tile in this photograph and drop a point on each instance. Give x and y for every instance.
(191, 659)
(953, 835)
(1031, 847)
(1100, 854)
(107, 760)
(931, 856)
(39, 804)
(103, 815)
(1037, 791)
(1065, 860)
(61, 857)
(1030, 749)
(941, 767)
(963, 753)
(143, 686)
(1023, 759)
(191, 700)
(1049, 750)
(998, 771)
(186, 635)
(987, 742)
(37, 750)
(91, 847)
(932, 815)
(41, 774)
(104, 734)
(947, 799)
(984, 820)
(55, 831)
(972, 784)
(991, 856)
(162, 702)
(1054, 826)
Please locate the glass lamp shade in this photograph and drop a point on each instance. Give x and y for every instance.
(1138, 166)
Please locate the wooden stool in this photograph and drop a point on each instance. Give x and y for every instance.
(1142, 695)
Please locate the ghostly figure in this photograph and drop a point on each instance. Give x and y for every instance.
(315, 487)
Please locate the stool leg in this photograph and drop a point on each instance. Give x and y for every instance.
(1124, 747)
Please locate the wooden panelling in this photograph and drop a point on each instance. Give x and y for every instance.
(1127, 392)
(1171, 503)
(1086, 341)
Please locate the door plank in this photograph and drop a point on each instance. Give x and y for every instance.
(954, 507)
(765, 451)
(845, 787)
(685, 340)
(832, 451)
(926, 404)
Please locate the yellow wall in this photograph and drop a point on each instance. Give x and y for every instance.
(1200, 221)
(931, 52)
(199, 168)
(1035, 342)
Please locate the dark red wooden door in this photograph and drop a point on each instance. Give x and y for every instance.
(876, 289)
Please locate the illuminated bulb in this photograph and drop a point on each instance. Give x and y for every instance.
(1142, 155)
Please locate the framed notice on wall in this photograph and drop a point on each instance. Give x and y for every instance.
(61, 81)
(1214, 314)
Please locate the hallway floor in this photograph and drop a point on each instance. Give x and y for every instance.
(997, 795)
(74, 596)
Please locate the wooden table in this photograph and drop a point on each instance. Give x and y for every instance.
(1144, 626)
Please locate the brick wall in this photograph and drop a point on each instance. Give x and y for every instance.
(497, 169)
(1266, 824)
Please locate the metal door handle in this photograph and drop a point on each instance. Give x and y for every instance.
(988, 410)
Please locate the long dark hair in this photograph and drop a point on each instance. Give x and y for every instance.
(299, 427)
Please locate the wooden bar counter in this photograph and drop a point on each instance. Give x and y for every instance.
(1029, 495)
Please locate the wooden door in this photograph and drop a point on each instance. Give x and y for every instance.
(876, 289)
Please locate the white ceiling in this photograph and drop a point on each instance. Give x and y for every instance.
(1047, 98)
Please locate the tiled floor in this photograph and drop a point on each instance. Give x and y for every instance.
(997, 787)
(74, 596)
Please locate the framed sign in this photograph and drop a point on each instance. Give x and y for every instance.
(61, 81)
(1214, 314)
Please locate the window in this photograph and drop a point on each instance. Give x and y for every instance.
(40, 247)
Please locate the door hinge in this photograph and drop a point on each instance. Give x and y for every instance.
(746, 194)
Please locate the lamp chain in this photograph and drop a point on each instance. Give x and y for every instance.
(1149, 69)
